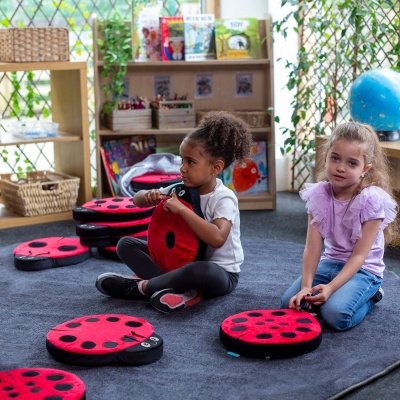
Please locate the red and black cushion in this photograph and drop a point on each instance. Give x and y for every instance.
(40, 384)
(111, 209)
(154, 181)
(172, 243)
(105, 339)
(106, 229)
(98, 234)
(271, 333)
(110, 240)
(49, 252)
(109, 252)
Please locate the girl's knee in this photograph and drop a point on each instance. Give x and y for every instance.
(335, 318)
(285, 301)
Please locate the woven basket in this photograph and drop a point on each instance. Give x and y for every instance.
(44, 193)
(255, 119)
(34, 44)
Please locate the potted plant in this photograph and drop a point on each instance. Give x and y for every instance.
(114, 44)
(338, 40)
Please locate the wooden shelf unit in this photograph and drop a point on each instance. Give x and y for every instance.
(69, 100)
(392, 150)
(182, 75)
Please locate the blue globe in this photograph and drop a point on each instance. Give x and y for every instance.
(375, 99)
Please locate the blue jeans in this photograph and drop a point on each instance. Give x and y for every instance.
(348, 305)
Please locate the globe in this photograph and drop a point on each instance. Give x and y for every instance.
(375, 100)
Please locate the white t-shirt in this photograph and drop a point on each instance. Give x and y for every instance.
(222, 203)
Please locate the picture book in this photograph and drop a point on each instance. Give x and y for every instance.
(146, 35)
(249, 176)
(125, 152)
(112, 181)
(172, 38)
(237, 38)
(199, 35)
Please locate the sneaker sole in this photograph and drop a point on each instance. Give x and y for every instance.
(101, 278)
(171, 301)
(167, 300)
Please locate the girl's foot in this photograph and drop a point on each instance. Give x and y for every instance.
(378, 296)
(168, 300)
(120, 286)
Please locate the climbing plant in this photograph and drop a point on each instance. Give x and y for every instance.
(338, 40)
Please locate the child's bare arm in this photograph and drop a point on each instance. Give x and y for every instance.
(147, 198)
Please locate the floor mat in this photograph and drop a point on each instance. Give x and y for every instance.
(195, 365)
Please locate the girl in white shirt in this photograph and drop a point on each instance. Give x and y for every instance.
(220, 139)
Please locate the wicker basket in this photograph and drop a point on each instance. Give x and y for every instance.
(255, 119)
(34, 44)
(42, 192)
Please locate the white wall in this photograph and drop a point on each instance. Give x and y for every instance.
(284, 50)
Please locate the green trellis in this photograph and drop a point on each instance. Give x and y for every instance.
(26, 94)
(338, 40)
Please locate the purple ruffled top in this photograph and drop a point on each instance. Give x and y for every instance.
(340, 222)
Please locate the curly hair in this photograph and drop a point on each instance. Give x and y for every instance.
(223, 135)
(379, 174)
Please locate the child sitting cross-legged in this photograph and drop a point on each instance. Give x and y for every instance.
(220, 139)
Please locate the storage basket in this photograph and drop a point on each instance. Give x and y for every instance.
(34, 44)
(42, 192)
(255, 119)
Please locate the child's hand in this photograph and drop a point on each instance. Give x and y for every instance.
(295, 301)
(320, 294)
(153, 197)
(173, 204)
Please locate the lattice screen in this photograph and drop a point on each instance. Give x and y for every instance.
(26, 95)
(347, 42)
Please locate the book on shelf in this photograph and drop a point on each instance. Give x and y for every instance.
(125, 152)
(172, 38)
(146, 35)
(237, 38)
(199, 37)
(251, 175)
(112, 180)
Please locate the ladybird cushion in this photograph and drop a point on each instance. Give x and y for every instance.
(154, 181)
(99, 234)
(50, 252)
(171, 241)
(40, 384)
(271, 333)
(109, 240)
(111, 209)
(105, 339)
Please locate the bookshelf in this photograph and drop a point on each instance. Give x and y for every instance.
(182, 76)
(69, 99)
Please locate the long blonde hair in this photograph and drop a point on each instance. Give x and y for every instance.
(378, 175)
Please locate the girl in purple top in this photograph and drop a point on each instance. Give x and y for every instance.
(352, 210)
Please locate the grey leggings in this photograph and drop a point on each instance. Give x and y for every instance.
(208, 277)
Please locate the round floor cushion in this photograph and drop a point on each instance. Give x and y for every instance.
(105, 339)
(171, 241)
(110, 209)
(40, 384)
(271, 333)
(50, 252)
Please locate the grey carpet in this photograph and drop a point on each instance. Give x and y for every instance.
(195, 364)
